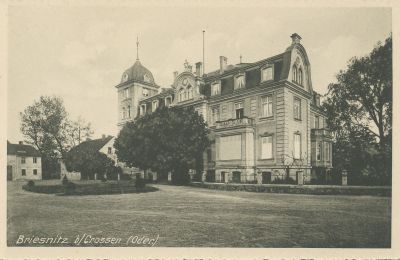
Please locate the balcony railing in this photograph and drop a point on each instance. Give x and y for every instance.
(237, 122)
(321, 133)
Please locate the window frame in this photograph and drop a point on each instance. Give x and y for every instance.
(216, 86)
(23, 172)
(34, 160)
(269, 102)
(236, 81)
(264, 71)
(35, 172)
(165, 101)
(154, 105)
(236, 109)
(143, 108)
(295, 98)
(23, 160)
(266, 137)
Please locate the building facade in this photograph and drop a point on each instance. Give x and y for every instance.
(24, 162)
(265, 118)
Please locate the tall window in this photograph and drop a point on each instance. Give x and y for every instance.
(168, 101)
(215, 89)
(316, 122)
(190, 92)
(126, 93)
(142, 109)
(181, 97)
(266, 147)
(34, 160)
(154, 105)
(109, 151)
(266, 74)
(129, 111)
(214, 115)
(22, 160)
(300, 76)
(35, 172)
(266, 106)
(297, 108)
(239, 110)
(297, 146)
(239, 82)
(318, 151)
(327, 152)
(23, 172)
(294, 73)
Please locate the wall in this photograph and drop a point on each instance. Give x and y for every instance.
(29, 166)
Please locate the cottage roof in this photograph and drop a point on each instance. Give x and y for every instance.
(22, 150)
(92, 145)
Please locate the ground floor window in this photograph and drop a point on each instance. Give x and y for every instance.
(266, 147)
(23, 173)
(236, 177)
(34, 172)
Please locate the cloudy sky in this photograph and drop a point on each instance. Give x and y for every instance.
(80, 52)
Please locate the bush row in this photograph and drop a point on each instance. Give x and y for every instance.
(299, 189)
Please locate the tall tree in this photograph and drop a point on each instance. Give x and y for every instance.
(359, 107)
(167, 140)
(45, 124)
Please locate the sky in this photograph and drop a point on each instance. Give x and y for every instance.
(80, 52)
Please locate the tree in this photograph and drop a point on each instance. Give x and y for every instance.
(167, 140)
(359, 108)
(46, 125)
(88, 162)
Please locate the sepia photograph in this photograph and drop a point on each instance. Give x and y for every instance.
(198, 126)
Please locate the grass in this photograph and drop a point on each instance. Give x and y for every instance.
(189, 217)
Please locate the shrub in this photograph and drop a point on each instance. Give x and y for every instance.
(30, 183)
(284, 181)
(69, 187)
(140, 183)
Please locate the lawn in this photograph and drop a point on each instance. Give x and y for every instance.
(188, 217)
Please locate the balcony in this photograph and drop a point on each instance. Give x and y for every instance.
(321, 133)
(234, 123)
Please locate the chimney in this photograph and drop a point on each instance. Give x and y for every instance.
(199, 69)
(295, 38)
(175, 75)
(20, 142)
(223, 63)
(103, 136)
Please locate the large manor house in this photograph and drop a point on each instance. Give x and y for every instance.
(265, 118)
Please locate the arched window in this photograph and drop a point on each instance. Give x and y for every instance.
(294, 76)
(181, 94)
(300, 76)
(129, 111)
(190, 92)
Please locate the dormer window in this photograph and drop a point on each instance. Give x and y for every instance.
(124, 77)
(216, 88)
(145, 92)
(297, 75)
(240, 81)
(267, 73)
(154, 105)
(142, 109)
(146, 78)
